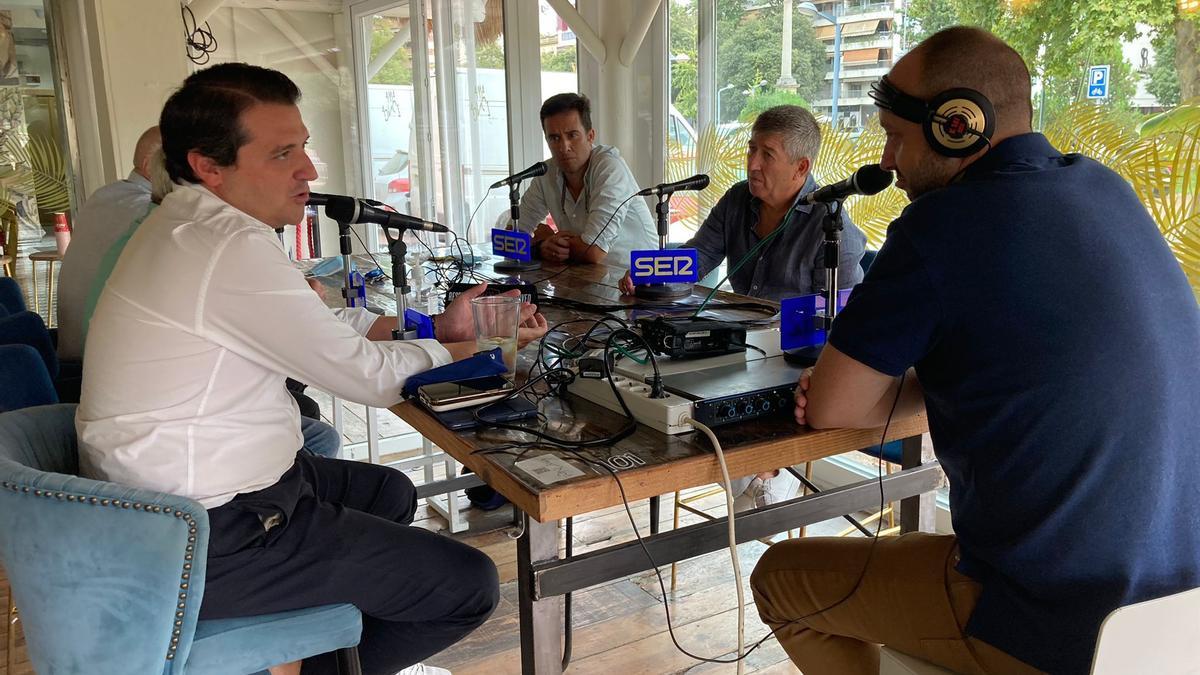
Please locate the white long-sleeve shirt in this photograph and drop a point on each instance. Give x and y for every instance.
(606, 184)
(201, 321)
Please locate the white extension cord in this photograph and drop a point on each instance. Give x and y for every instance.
(737, 567)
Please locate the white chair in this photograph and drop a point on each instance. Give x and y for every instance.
(1160, 636)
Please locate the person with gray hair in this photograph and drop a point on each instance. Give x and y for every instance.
(783, 145)
(784, 142)
(105, 216)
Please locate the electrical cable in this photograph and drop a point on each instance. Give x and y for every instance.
(199, 42)
(783, 225)
(733, 553)
(658, 574)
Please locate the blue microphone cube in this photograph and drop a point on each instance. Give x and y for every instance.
(512, 244)
(670, 266)
(799, 324)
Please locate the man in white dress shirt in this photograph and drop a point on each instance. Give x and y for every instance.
(202, 319)
(583, 189)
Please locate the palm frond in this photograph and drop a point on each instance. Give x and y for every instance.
(38, 156)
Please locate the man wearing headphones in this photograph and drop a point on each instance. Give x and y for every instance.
(965, 313)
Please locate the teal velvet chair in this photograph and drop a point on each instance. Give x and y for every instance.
(109, 578)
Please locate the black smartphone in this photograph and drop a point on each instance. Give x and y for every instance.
(511, 410)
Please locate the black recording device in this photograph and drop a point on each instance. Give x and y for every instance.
(688, 338)
(528, 291)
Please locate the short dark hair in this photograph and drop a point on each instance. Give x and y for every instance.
(561, 103)
(204, 115)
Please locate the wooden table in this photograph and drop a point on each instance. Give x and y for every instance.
(650, 464)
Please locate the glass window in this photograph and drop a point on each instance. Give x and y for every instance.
(435, 141)
(1143, 121)
(36, 182)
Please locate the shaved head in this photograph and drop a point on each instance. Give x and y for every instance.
(968, 57)
(148, 143)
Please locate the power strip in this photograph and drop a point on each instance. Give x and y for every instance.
(664, 414)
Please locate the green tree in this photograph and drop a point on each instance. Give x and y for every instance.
(748, 52)
(683, 58)
(757, 103)
(490, 55)
(1164, 77)
(1059, 39)
(562, 61)
(398, 69)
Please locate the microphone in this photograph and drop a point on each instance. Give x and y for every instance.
(350, 210)
(867, 180)
(697, 182)
(537, 169)
(318, 199)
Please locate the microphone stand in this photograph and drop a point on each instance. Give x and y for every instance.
(346, 249)
(831, 249)
(663, 291)
(508, 265)
(398, 250)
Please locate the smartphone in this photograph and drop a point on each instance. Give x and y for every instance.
(512, 410)
(445, 396)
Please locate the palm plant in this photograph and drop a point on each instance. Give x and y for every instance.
(1162, 164)
(1161, 160)
(32, 165)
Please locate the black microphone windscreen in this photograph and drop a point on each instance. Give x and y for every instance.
(342, 209)
(872, 179)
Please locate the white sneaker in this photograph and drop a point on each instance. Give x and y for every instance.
(751, 497)
(422, 669)
(761, 492)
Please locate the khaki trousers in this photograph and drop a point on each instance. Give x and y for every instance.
(910, 599)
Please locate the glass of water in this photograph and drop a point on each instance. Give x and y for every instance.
(497, 318)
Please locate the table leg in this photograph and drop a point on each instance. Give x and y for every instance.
(50, 295)
(654, 511)
(37, 299)
(917, 514)
(541, 620)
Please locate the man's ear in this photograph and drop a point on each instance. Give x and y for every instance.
(208, 172)
(591, 135)
(803, 167)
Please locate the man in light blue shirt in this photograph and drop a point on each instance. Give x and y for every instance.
(584, 188)
(105, 216)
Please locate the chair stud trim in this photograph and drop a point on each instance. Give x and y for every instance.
(185, 575)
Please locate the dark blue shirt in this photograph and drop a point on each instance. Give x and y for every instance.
(1058, 346)
(789, 265)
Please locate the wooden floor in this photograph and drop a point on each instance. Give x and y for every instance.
(619, 627)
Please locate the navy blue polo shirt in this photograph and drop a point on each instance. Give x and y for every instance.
(1058, 346)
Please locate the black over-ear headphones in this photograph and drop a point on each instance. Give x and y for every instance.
(957, 122)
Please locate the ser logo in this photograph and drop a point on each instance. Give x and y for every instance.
(679, 265)
(513, 245)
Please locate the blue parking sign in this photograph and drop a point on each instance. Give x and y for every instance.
(1097, 82)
